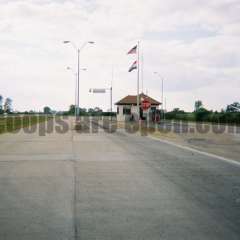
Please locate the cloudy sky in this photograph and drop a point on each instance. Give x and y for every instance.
(193, 44)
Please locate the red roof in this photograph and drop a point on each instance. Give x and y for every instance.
(132, 100)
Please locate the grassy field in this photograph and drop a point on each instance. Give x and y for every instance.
(13, 123)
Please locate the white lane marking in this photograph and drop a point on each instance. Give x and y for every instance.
(232, 161)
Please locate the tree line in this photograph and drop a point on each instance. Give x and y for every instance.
(231, 114)
(5, 105)
(82, 111)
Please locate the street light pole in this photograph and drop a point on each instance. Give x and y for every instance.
(78, 65)
(78, 51)
(162, 93)
(138, 74)
(76, 84)
(162, 79)
(111, 99)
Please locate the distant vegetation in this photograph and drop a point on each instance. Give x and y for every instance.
(11, 124)
(230, 115)
(5, 106)
(88, 112)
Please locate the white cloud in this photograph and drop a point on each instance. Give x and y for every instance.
(195, 47)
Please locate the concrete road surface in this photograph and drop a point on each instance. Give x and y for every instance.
(113, 186)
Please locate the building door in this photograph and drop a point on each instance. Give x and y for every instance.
(141, 114)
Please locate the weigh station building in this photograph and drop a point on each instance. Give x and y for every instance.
(127, 108)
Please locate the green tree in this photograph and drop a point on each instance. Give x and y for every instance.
(71, 110)
(1, 102)
(90, 110)
(98, 110)
(235, 107)
(47, 110)
(202, 114)
(1, 99)
(8, 105)
(198, 105)
(177, 110)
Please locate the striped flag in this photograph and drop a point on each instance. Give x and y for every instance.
(133, 50)
(134, 66)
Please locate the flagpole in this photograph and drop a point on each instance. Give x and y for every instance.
(142, 70)
(138, 66)
(111, 91)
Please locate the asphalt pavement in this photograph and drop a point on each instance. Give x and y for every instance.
(113, 186)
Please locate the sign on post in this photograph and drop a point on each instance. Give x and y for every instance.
(97, 90)
(145, 104)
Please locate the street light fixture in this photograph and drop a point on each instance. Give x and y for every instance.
(78, 64)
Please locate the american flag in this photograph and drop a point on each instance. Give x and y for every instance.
(133, 50)
(134, 66)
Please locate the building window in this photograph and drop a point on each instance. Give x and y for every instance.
(117, 110)
(126, 111)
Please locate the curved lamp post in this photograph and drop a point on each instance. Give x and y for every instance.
(75, 75)
(78, 49)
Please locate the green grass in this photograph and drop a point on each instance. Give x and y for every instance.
(13, 123)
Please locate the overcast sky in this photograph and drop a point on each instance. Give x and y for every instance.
(193, 44)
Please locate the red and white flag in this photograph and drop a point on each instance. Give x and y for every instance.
(134, 66)
(133, 50)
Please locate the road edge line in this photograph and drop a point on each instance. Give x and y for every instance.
(224, 159)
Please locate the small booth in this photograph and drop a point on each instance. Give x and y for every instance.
(148, 107)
